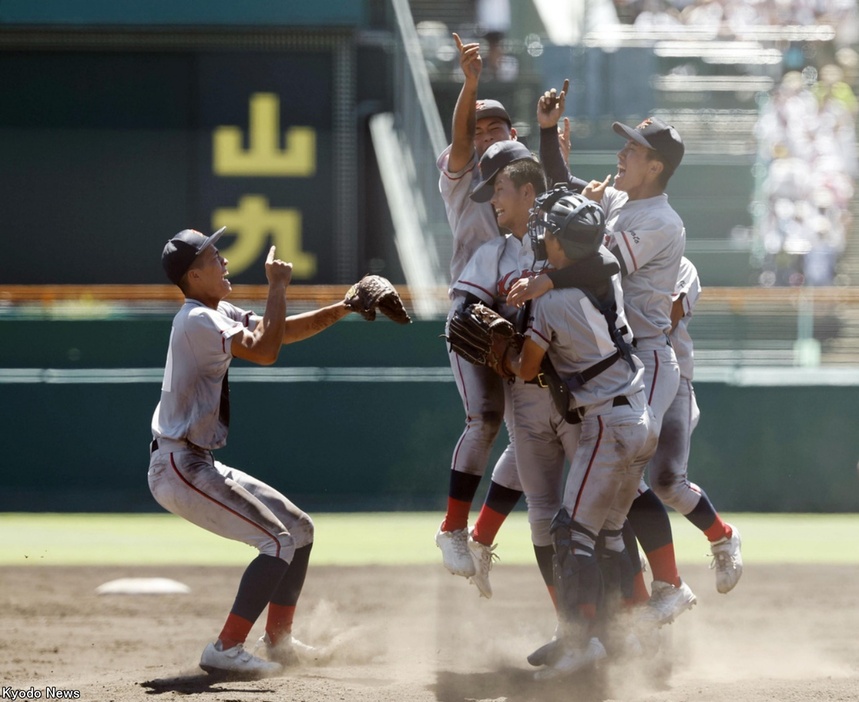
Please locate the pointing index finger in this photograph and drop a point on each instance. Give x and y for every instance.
(270, 258)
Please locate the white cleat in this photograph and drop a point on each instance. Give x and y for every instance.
(573, 660)
(236, 662)
(727, 561)
(667, 602)
(454, 552)
(289, 651)
(482, 556)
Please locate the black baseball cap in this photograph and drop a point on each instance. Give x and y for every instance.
(496, 157)
(491, 108)
(179, 253)
(655, 134)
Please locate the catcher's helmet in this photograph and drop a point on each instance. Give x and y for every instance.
(577, 222)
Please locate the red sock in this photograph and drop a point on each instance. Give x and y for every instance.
(487, 525)
(664, 565)
(553, 595)
(457, 515)
(235, 631)
(279, 622)
(639, 589)
(588, 612)
(720, 530)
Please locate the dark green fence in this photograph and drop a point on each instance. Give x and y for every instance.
(361, 417)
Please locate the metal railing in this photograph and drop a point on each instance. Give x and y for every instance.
(407, 144)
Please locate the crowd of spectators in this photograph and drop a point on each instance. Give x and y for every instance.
(806, 136)
(730, 18)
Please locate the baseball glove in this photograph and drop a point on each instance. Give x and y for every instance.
(482, 337)
(373, 292)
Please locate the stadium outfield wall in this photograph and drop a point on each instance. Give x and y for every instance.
(364, 417)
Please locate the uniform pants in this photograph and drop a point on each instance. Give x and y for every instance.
(190, 483)
(669, 467)
(486, 401)
(607, 454)
(541, 436)
(661, 380)
(607, 465)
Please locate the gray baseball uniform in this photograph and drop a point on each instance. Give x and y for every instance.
(648, 238)
(669, 466)
(609, 449)
(490, 273)
(482, 391)
(192, 419)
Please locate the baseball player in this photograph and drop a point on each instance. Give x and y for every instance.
(488, 276)
(477, 126)
(669, 467)
(192, 420)
(599, 421)
(647, 237)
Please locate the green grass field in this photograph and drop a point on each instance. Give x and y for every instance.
(394, 538)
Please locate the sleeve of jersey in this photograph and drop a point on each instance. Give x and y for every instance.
(634, 249)
(538, 329)
(480, 274)
(246, 318)
(448, 177)
(693, 293)
(207, 327)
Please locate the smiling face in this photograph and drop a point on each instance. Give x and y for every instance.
(637, 171)
(512, 204)
(489, 130)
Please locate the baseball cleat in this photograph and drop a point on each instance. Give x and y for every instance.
(573, 660)
(547, 654)
(667, 602)
(454, 552)
(727, 561)
(289, 651)
(235, 662)
(482, 556)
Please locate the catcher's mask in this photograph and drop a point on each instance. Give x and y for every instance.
(577, 222)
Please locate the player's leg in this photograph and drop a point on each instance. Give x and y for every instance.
(601, 475)
(540, 459)
(280, 644)
(482, 394)
(192, 485)
(669, 479)
(504, 492)
(649, 519)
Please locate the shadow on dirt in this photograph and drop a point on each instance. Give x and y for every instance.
(517, 685)
(197, 683)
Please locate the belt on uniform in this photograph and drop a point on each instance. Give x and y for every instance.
(172, 445)
(577, 414)
(539, 379)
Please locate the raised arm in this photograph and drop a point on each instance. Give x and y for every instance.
(262, 345)
(462, 128)
(550, 108)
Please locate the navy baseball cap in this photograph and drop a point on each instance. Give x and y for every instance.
(491, 108)
(179, 253)
(655, 134)
(496, 157)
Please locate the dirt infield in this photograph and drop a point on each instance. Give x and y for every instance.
(419, 634)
